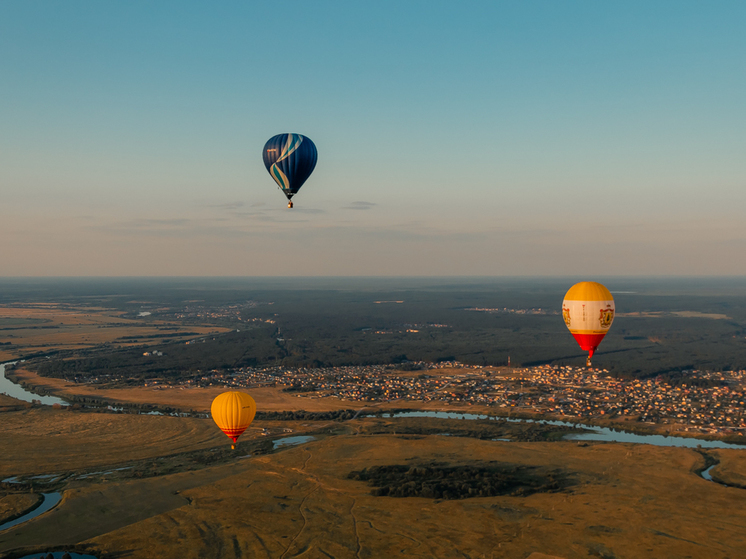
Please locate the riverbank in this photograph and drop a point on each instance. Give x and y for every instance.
(197, 401)
(48, 502)
(114, 502)
(16, 505)
(621, 496)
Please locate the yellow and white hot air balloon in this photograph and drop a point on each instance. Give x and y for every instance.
(588, 310)
(233, 412)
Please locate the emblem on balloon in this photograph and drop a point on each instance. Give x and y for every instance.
(606, 318)
(588, 311)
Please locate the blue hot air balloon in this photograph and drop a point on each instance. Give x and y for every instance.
(290, 159)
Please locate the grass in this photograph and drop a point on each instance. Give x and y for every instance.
(624, 500)
(13, 505)
(35, 328)
(46, 441)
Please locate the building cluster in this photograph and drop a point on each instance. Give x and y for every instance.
(710, 402)
(405, 328)
(505, 310)
(699, 401)
(220, 312)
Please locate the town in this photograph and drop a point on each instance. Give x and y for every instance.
(708, 402)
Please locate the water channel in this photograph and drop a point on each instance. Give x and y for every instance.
(594, 434)
(20, 393)
(706, 473)
(290, 441)
(49, 501)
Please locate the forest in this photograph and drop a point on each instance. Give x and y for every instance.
(662, 327)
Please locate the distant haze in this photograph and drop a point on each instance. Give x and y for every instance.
(578, 139)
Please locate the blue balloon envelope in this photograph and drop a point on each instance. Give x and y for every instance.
(290, 159)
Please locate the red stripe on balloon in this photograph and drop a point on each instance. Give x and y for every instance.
(233, 432)
(588, 342)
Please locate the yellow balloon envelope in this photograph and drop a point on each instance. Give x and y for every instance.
(588, 310)
(233, 412)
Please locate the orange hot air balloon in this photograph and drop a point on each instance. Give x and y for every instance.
(233, 412)
(588, 310)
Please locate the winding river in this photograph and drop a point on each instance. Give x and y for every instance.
(594, 434)
(20, 393)
(49, 501)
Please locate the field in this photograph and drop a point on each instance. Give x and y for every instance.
(45, 441)
(143, 486)
(663, 326)
(15, 504)
(30, 328)
(274, 399)
(619, 501)
(197, 399)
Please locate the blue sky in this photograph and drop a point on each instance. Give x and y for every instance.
(469, 138)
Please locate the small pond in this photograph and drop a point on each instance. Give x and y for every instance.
(288, 441)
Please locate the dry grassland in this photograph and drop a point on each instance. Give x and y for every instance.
(9, 401)
(627, 501)
(198, 399)
(34, 328)
(47, 441)
(16, 504)
(274, 399)
(732, 467)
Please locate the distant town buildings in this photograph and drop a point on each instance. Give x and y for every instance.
(708, 402)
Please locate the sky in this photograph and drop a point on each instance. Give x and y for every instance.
(575, 138)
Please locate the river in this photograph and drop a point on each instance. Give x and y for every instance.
(20, 393)
(594, 434)
(49, 501)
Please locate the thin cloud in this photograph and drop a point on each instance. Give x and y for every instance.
(227, 206)
(360, 205)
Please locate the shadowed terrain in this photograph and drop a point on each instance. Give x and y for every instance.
(622, 500)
